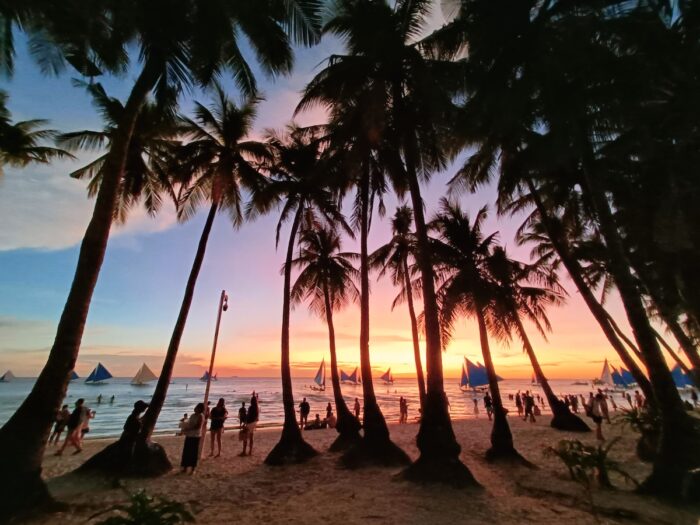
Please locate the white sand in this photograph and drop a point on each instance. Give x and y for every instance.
(231, 489)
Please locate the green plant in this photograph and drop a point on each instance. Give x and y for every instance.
(648, 424)
(146, 510)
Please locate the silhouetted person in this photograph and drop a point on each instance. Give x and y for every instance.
(304, 410)
(241, 415)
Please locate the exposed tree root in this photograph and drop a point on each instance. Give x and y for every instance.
(448, 471)
(290, 451)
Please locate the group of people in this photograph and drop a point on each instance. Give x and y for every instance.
(403, 410)
(75, 423)
(317, 423)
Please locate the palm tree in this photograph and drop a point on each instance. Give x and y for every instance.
(407, 108)
(300, 180)
(525, 291)
(393, 257)
(179, 44)
(326, 281)
(462, 254)
(21, 142)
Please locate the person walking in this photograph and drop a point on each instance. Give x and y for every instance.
(251, 423)
(529, 403)
(76, 422)
(304, 410)
(61, 422)
(488, 405)
(192, 430)
(216, 427)
(598, 409)
(476, 407)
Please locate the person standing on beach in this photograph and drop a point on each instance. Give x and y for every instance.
(357, 409)
(598, 409)
(216, 428)
(476, 407)
(574, 404)
(241, 415)
(111, 400)
(529, 407)
(638, 399)
(304, 410)
(251, 423)
(488, 405)
(75, 424)
(192, 430)
(329, 410)
(519, 403)
(61, 422)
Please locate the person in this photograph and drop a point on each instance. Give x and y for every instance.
(402, 410)
(192, 430)
(357, 409)
(476, 406)
(61, 421)
(329, 410)
(304, 409)
(132, 426)
(99, 399)
(612, 402)
(638, 399)
(75, 423)
(331, 420)
(518, 403)
(488, 405)
(111, 400)
(574, 404)
(316, 424)
(598, 409)
(694, 397)
(405, 410)
(181, 423)
(629, 399)
(241, 415)
(529, 403)
(251, 423)
(216, 428)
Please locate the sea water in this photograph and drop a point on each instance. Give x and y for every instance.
(185, 393)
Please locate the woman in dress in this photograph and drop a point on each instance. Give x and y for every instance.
(218, 417)
(192, 430)
(251, 422)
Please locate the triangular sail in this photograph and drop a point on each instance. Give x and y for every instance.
(143, 376)
(617, 378)
(477, 375)
(627, 377)
(7, 377)
(344, 376)
(320, 378)
(464, 382)
(100, 373)
(353, 376)
(74, 375)
(606, 376)
(386, 377)
(498, 378)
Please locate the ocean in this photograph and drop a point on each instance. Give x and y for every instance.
(185, 393)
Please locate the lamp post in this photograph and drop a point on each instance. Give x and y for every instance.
(223, 306)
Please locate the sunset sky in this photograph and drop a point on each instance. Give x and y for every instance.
(43, 214)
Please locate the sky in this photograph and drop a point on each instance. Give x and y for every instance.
(44, 213)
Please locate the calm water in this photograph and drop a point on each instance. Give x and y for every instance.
(184, 393)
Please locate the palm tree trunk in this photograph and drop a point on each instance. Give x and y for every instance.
(348, 426)
(686, 344)
(291, 447)
(678, 450)
(501, 437)
(597, 310)
(23, 438)
(414, 334)
(562, 418)
(439, 450)
(673, 354)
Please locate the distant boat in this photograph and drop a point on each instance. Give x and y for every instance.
(143, 376)
(617, 379)
(351, 379)
(99, 375)
(680, 378)
(534, 381)
(580, 383)
(74, 376)
(605, 376)
(7, 377)
(205, 377)
(320, 378)
(627, 377)
(387, 377)
(477, 375)
(464, 381)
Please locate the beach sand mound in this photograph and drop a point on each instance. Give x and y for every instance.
(232, 489)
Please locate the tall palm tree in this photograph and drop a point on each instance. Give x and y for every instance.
(393, 257)
(525, 291)
(462, 254)
(22, 143)
(178, 44)
(409, 106)
(300, 180)
(326, 281)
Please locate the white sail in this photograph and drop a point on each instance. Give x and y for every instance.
(143, 376)
(606, 376)
(7, 376)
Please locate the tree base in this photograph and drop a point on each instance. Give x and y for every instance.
(569, 422)
(25, 495)
(289, 452)
(381, 452)
(345, 442)
(447, 471)
(507, 455)
(144, 459)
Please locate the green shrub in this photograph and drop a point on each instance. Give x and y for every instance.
(146, 510)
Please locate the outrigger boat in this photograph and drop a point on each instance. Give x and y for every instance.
(387, 377)
(351, 379)
(98, 376)
(320, 378)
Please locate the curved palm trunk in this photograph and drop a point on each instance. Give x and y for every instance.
(501, 437)
(23, 438)
(599, 313)
(562, 418)
(689, 349)
(673, 354)
(678, 448)
(376, 444)
(439, 450)
(348, 426)
(414, 334)
(291, 447)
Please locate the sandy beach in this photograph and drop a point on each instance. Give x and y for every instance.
(231, 489)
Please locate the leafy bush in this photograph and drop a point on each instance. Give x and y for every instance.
(146, 510)
(648, 424)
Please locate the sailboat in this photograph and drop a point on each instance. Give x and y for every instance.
(478, 378)
(98, 376)
(205, 377)
(387, 377)
(627, 377)
(464, 381)
(74, 375)
(351, 379)
(320, 378)
(7, 377)
(617, 379)
(143, 376)
(605, 376)
(534, 381)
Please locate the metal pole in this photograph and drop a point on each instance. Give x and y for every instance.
(223, 306)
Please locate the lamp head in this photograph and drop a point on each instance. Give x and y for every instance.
(225, 306)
